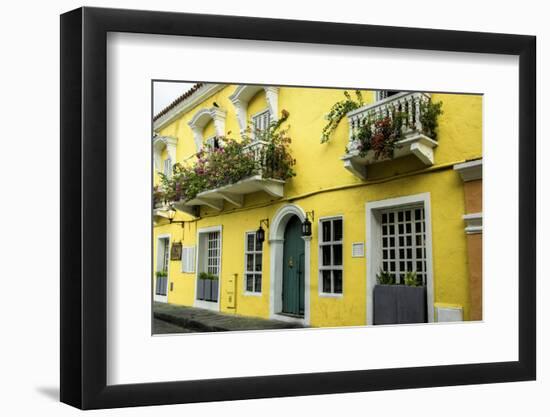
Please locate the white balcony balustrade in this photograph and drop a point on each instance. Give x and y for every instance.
(234, 193)
(414, 141)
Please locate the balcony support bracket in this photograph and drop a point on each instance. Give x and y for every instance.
(356, 168)
(232, 198)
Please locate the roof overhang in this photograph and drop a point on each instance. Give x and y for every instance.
(203, 93)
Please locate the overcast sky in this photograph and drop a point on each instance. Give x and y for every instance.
(166, 92)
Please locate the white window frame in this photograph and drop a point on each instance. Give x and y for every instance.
(158, 297)
(397, 247)
(331, 267)
(211, 141)
(382, 94)
(167, 170)
(373, 211)
(217, 260)
(257, 115)
(202, 264)
(254, 253)
(190, 263)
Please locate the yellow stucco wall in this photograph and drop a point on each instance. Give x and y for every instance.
(319, 168)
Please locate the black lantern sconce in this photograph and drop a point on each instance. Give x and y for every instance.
(171, 214)
(306, 224)
(260, 233)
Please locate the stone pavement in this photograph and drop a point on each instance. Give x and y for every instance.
(163, 327)
(202, 320)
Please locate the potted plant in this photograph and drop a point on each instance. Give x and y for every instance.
(214, 287)
(161, 281)
(399, 303)
(200, 286)
(207, 287)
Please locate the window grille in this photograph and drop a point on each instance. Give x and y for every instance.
(404, 243)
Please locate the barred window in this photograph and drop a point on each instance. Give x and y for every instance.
(331, 256)
(404, 243)
(213, 256)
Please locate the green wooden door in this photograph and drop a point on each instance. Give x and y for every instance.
(293, 269)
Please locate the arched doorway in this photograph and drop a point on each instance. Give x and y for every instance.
(293, 269)
(289, 287)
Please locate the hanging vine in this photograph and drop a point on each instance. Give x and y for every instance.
(338, 111)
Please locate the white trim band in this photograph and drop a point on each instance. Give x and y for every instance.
(471, 170)
(474, 223)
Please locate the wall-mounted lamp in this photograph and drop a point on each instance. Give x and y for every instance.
(171, 214)
(260, 233)
(306, 224)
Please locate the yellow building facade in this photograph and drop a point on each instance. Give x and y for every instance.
(418, 211)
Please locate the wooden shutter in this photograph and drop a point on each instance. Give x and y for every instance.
(188, 259)
(168, 167)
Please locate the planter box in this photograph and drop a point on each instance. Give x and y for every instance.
(200, 289)
(207, 289)
(161, 286)
(214, 290)
(399, 304)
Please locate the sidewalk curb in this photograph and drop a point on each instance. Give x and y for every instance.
(188, 323)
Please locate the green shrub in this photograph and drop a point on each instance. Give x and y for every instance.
(412, 280)
(384, 278)
(208, 276)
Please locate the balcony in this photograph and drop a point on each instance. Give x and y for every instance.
(160, 213)
(234, 193)
(413, 141)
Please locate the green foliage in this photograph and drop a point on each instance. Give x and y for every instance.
(381, 136)
(412, 280)
(158, 196)
(338, 111)
(429, 113)
(363, 136)
(208, 276)
(161, 274)
(384, 278)
(275, 157)
(230, 163)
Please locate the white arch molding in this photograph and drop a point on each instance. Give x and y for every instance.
(276, 242)
(159, 144)
(201, 119)
(244, 93)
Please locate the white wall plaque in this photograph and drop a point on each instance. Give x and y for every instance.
(357, 250)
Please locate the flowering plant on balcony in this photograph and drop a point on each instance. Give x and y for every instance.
(382, 135)
(158, 196)
(234, 161)
(275, 158)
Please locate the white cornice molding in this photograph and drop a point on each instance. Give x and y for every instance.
(471, 170)
(200, 120)
(244, 93)
(203, 93)
(474, 223)
(159, 144)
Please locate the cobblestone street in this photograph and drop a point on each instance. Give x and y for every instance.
(169, 318)
(164, 327)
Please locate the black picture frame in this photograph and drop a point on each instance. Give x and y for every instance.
(84, 207)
